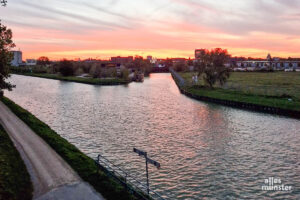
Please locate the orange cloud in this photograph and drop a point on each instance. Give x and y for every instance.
(172, 30)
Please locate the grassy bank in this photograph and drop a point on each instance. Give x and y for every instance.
(81, 163)
(15, 181)
(278, 89)
(93, 81)
(258, 83)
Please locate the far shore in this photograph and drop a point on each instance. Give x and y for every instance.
(281, 104)
(92, 81)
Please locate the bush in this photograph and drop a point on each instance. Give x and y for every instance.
(66, 67)
(79, 71)
(125, 74)
(39, 69)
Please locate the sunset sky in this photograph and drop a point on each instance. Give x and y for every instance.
(161, 28)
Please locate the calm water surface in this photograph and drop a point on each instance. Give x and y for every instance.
(206, 151)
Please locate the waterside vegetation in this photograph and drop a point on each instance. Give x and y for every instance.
(81, 163)
(278, 94)
(87, 80)
(15, 183)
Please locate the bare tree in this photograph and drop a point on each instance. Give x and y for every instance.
(3, 2)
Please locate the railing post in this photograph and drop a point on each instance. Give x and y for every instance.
(147, 173)
(98, 162)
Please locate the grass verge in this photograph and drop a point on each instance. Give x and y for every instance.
(286, 97)
(93, 81)
(81, 163)
(277, 102)
(15, 183)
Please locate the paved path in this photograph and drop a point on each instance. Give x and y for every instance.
(51, 176)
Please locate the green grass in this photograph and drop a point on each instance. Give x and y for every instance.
(82, 164)
(269, 89)
(15, 183)
(259, 83)
(93, 81)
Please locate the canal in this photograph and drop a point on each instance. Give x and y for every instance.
(205, 150)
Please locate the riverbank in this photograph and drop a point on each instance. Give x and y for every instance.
(92, 81)
(15, 183)
(270, 84)
(280, 105)
(82, 164)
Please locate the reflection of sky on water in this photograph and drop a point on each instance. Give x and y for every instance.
(205, 150)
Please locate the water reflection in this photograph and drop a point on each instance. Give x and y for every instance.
(206, 150)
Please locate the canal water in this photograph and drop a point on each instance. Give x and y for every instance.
(206, 151)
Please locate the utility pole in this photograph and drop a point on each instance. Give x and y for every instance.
(153, 162)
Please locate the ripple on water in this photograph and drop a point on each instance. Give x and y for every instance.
(206, 151)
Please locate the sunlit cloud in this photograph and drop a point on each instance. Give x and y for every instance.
(162, 28)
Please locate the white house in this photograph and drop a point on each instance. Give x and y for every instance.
(275, 63)
(31, 62)
(17, 60)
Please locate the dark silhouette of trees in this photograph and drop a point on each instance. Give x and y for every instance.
(211, 65)
(3, 2)
(180, 66)
(43, 60)
(6, 56)
(66, 67)
(168, 63)
(140, 65)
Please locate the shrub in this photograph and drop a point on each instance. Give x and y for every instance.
(79, 71)
(125, 74)
(66, 67)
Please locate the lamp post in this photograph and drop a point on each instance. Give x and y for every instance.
(153, 162)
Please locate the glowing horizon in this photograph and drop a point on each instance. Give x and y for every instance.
(160, 28)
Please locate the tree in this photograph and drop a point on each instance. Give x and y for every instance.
(212, 66)
(180, 66)
(140, 65)
(43, 61)
(190, 62)
(66, 67)
(6, 44)
(95, 71)
(168, 63)
(202, 61)
(3, 2)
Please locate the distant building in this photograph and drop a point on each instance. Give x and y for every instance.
(121, 60)
(31, 62)
(179, 60)
(149, 58)
(17, 60)
(268, 63)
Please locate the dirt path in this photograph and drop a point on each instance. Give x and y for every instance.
(51, 176)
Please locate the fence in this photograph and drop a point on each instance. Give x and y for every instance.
(126, 180)
(180, 81)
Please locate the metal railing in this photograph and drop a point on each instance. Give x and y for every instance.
(126, 180)
(181, 81)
